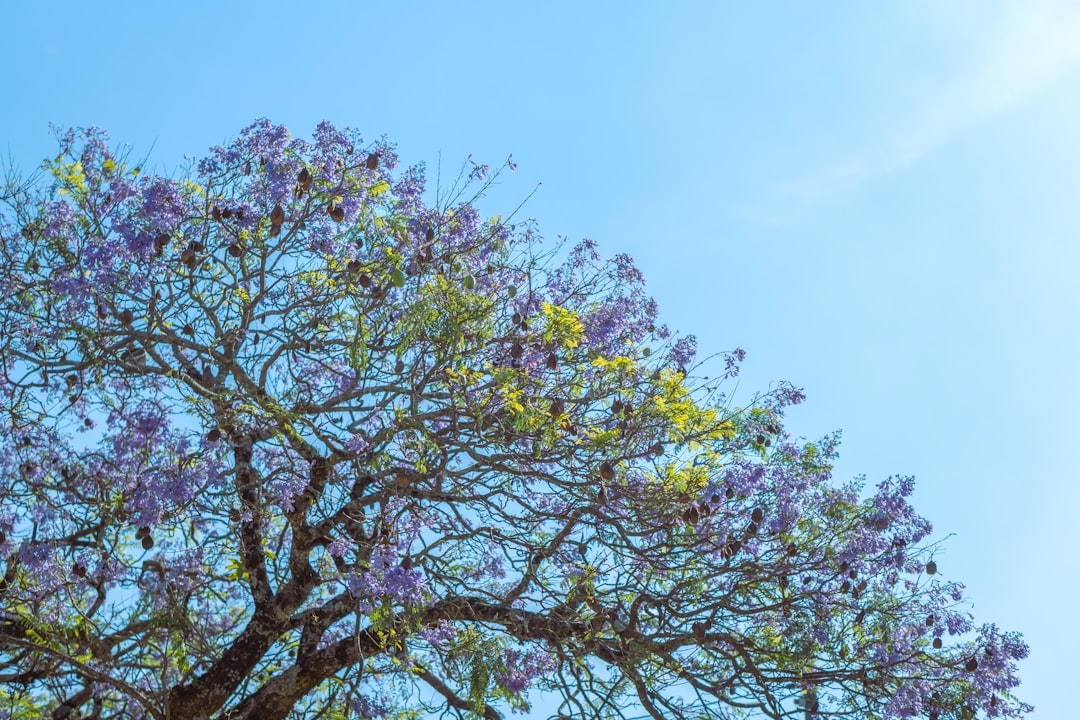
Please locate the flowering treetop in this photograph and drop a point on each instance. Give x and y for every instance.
(283, 438)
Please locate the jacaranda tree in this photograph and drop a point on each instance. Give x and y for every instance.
(289, 436)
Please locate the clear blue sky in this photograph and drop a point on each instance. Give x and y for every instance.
(878, 201)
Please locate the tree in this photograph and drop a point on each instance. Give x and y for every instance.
(283, 439)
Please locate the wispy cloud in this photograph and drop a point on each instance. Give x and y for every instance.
(1024, 51)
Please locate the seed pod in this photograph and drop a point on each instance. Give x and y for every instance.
(557, 408)
(929, 621)
(516, 350)
(399, 366)
(372, 162)
(304, 179)
(429, 235)
(214, 435)
(937, 643)
(234, 250)
(552, 361)
(607, 471)
(758, 515)
(126, 316)
(147, 542)
(691, 515)
(972, 665)
(931, 568)
(78, 570)
(364, 280)
(277, 215)
(336, 212)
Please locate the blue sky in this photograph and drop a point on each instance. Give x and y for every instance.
(876, 200)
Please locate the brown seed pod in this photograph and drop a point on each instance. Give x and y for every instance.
(758, 515)
(731, 548)
(214, 435)
(972, 665)
(516, 350)
(372, 162)
(691, 515)
(929, 621)
(602, 496)
(336, 212)
(552, 361)
(429, 235)
(304, 179)
(147, 542)
(364, 280)
(607, 471)
(188, 330)
(275, 230)
(78, 570)
(126, 316)
(931, 568)
(399, 366)
(160, 243)
(234, 250)
(353, 266)
(937, 643)
(557, 408)
(277, 215)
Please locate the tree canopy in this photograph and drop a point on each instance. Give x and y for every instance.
(288, 435)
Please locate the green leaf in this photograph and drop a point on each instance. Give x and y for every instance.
(397, 277)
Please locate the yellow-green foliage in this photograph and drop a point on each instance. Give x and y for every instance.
(561, 326)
